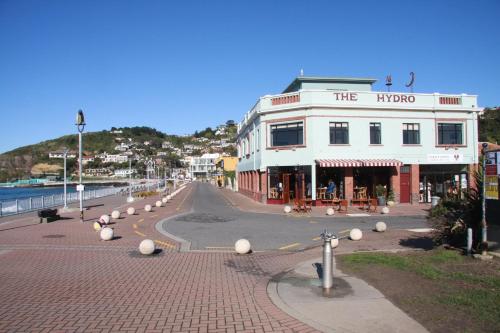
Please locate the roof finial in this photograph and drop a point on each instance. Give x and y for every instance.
(301, 72)
(388, 82)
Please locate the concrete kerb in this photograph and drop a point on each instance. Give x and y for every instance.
(185, 246)
(362, 309)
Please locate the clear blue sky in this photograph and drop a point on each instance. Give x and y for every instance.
(181, 66)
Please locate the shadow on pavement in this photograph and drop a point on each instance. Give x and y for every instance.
(418, 242)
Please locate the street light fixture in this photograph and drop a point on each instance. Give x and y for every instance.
(130, 197)
(80, 125)
(65, 155)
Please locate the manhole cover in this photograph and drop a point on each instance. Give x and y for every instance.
(203, 218)
(53, 236)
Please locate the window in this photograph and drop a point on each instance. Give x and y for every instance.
(287, 134)
(339, 133)
(450, 134)
(375, 134)
(411, 134)
(258, 139)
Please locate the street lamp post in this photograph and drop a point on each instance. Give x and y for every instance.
(484, 226)
(65, 155)
(130, 197)
(80, 125)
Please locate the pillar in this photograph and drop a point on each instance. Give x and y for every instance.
(415, 184)
(472, 169)
(263, 179)
(395, 183)
(348, 184)
(313, 181)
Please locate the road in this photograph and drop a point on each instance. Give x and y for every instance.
(213, 223)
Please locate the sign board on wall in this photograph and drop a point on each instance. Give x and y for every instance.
(491, 187)
(445, 158)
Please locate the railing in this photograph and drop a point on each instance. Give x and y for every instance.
(18, 206)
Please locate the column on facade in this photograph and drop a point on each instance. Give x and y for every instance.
(313, 181)
(395, 183)
(471, 170)
(415, 184)
(263, 180)
(348, 184)
(255, 181)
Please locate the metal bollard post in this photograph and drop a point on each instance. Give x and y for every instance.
(469, 241)
(327, 282)
(31, 203)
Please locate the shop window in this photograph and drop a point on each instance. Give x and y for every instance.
(450, 134)
(288, 134)
(375, 134)
(339, 133)
(411, 134)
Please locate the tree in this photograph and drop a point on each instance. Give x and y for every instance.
(489, 125)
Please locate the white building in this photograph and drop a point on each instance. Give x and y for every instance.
(124, 172)
(60, 154)
(110, 158)
(320, 129)
(203, 167)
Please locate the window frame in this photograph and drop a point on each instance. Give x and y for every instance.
(274, 125)
(371, 126)
(330, 128)
(413, 132)
(462, 134)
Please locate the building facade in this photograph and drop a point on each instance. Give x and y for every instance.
(203, 167)
(322, 130)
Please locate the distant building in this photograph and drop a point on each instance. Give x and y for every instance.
(60, 154)
(225, 164)
(203, 167)
(124, 172)
(167, 144)
(87, 159)
(97, 172)
(110, 158)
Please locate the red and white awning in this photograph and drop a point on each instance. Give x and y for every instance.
(339, 163)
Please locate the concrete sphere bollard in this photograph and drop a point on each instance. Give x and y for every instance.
(148, 208)
(380, 226)
(106, 234)
(147, 247)
(131, 211)
(242, 246)
(385, 210)
(330, 211)
(355, 234)
(115, 214)
(104, 219)
(287, 209)
(164, 200)
(158, 203)
(335, 243)
(169, 197)
(97, 226)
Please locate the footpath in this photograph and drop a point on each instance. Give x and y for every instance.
(60, 277)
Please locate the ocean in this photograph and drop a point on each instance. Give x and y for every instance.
(13, 193)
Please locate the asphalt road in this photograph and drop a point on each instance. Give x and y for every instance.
(213, 223)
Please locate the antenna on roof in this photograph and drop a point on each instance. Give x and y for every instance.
(388, 82)
(301, 72)
(412, 81)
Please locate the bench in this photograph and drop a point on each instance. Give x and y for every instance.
(48, 215)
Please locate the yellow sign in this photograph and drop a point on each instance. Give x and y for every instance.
(492, 187)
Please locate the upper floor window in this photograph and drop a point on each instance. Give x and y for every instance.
(375, 134)
(258, 139)
(411, 134)
(287, 134)
(339, 133)
(450, 134)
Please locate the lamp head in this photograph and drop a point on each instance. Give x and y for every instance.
(485, 145)
(80, 119)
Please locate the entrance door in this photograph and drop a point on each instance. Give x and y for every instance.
(404, 181)
(286, 188)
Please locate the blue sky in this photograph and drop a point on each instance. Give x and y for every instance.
(180, 66)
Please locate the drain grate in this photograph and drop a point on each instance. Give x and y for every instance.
(53, 236)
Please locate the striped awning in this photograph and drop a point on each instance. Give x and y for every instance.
(336, 163)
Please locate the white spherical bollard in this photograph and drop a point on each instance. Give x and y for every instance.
(287, 209)
(330, 211)
(147, 247)
(385, 210)
(335, 243)
(115, 214)
(158, 203)
(106, 234)
(355, 234)
(104, 219)
(131, 211)
(148, 208)
(169, 197)
(380, 226)
(242, 246)
(97, 226)
(164, 200)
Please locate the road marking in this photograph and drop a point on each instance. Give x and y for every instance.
(316, 238)
(141, 220)
(187, 195)
(134, 225)
(344, 231)
(313, 222)
(140, 233)
(166, 244)
(156, 215)
(289, 246)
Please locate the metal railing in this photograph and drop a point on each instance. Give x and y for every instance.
(24, 205)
